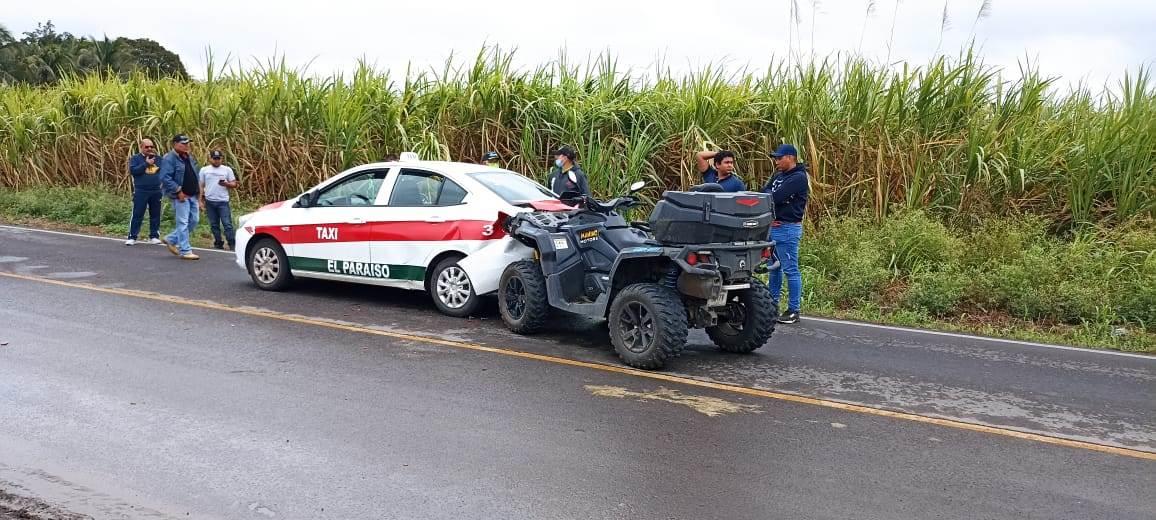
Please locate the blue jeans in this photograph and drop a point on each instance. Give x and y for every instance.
(187, 214)
(787, 237)
(220, 215)
(141, 200)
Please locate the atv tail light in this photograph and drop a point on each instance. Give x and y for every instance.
(747, 201)
(701, 257)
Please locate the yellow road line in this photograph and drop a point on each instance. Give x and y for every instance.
(1046, 439)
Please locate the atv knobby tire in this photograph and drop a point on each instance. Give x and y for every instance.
(522, 298)
(647, 325)
(758, 315)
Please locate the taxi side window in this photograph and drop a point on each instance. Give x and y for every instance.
(421, 188)
(358, 190)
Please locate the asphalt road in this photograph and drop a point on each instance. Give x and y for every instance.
(122, 406)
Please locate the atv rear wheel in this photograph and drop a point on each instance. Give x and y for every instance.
(522, 297)
(647, 325)
(753, 320)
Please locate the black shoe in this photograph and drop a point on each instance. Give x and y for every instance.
(219, 246)
(789, 317)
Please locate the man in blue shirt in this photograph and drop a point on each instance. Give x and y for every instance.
(789, 190)
(146, 192)
(722, 172)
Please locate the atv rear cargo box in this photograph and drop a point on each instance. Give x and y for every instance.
(685, 217)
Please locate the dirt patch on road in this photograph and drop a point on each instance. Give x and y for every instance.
(16, 507)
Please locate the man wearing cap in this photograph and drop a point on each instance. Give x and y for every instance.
(491, 159)
(216, 181)
(146, 192)
(566, 175)
(722, 172)
(789, 189)
(180, 184)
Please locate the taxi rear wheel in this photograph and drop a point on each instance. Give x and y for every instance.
(451, 289)
(269, 265)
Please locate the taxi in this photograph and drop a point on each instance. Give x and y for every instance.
(419, 225)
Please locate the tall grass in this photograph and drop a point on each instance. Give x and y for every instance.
(952, 136)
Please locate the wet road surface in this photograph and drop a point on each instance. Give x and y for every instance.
(122, 406)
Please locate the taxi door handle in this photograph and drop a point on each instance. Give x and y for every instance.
(435, 219)
(356, 220)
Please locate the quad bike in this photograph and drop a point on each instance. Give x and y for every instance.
(691, 264)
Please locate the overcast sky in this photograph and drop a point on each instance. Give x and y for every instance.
(1094, 41)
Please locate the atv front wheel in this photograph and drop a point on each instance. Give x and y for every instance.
(522, 297)
(647, 325)
(752, 320)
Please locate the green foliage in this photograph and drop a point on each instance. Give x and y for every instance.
(951, 137)
(47, 57)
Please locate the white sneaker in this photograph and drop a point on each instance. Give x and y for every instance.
(130, 242)
(155, 241)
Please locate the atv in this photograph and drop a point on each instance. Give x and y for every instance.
(692, 264)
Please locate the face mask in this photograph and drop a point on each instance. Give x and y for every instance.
(558, 162)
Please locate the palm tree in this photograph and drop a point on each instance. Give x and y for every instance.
(6, 36)
(105, 56)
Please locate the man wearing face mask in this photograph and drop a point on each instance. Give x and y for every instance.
(566, 175)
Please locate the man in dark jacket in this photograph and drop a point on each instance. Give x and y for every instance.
(566, 175)
(146, 192)
(789, 189)
(180, 184)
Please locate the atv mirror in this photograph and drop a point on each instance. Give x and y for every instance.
(638, 185)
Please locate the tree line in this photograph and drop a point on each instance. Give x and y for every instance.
(45, 56)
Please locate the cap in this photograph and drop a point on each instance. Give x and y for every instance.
(215, 154)
(181, 138)
(784, 149)
(567, 151)
(490, 156)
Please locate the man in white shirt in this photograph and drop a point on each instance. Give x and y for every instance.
(216, 181)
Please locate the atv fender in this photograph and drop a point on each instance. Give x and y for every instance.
(485, 266)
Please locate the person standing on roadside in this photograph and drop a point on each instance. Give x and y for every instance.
(722, 172)
(566, 175)
(216, 181)
(146, 192)
(180, 184)
(491, 159)
(789, 189)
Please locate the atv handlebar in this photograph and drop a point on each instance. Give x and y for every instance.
(586, 202)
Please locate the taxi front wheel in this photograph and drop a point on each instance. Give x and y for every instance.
(451, 289)
(268, 265)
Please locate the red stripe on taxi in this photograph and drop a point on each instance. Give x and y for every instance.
(392, 231)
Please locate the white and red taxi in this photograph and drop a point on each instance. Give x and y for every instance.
(423, 225)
